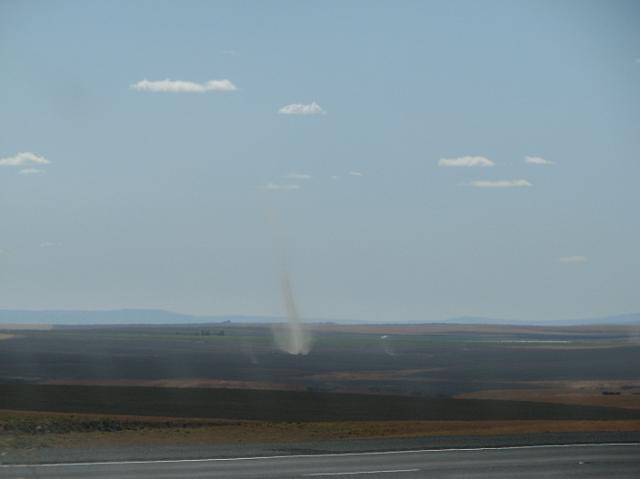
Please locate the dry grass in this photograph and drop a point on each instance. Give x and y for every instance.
(170, 431)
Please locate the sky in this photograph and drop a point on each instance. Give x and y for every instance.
(401, 160)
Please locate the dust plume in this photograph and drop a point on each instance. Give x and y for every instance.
(386, 346)
(293, 337)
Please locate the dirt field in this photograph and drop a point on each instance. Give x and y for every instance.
(567, 366)
(490, 329)
(416, 360)
(288, 406)
(608, 393)
(179, 383)
(229, 383)
(397, 375)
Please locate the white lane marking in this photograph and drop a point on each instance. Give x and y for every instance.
(315, 474)
(354, 473)
(333, 454)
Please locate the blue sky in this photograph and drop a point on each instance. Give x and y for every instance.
(379, 147)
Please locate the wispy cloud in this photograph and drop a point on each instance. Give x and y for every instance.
(500, 183)
(31, 171)
(48, 244)
(298, 176)
(537, 160)
(573, 259)
(280, 187)
(301, 109)
(356, 173)
(466, 161)
(181, 86)
(23, 159)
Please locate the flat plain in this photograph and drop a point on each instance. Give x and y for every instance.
(231, 382)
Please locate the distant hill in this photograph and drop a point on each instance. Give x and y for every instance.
(478, 320)
(119, 316)
(159, 316)
(620, 319)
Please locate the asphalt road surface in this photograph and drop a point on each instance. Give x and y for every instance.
(562, 461)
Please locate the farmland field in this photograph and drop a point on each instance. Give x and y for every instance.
(418, 360)
(233, 382)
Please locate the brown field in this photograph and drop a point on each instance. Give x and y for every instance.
(583, 393)
(375, 375)
(402, 381)
(43, 429)
(286, 406)
(25, 327)
(435, 328)
(180, 383)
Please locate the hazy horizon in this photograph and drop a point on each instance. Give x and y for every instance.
(402, 161)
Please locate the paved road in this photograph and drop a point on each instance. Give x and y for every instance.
(594, 460)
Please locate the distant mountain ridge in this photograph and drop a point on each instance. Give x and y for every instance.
(119, 316)
(159, 316)
(619, 319)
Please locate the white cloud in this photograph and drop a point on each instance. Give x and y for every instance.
(181, 86)
(279, 187)
(335, 177)
(298, 176)
(356, 173)
(573, 259)
(466, 161)
(31, 171)
(301, 109)
(500, 183)
(24, 158)
(48, 244)
(537, 160)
